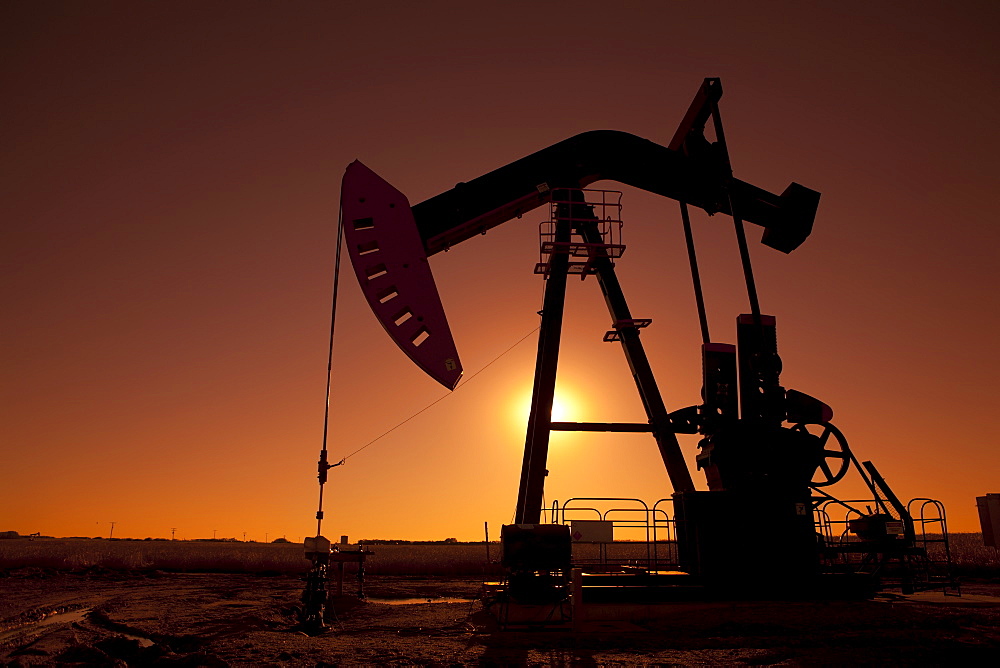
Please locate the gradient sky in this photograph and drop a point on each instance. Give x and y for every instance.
(169, 200)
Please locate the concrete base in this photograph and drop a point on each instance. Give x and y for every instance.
(940, 598)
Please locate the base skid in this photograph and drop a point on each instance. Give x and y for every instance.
(601, 597)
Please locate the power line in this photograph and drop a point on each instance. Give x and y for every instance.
(442, 398)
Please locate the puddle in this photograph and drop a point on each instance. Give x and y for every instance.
(57, 618)
(418, 601)
(63, 618)
(143, 642)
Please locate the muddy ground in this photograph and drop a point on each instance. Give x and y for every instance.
(171, 619)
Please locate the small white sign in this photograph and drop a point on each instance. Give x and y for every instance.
(591, 531)
(894, 528)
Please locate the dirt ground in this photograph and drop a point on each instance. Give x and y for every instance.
(161, 619)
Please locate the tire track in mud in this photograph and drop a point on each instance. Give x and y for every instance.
(32, 624)
(245, 620)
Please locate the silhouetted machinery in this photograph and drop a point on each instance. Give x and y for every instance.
(762, 447)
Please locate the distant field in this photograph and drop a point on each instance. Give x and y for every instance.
(82, 554)
(234, 557)
(969, 556)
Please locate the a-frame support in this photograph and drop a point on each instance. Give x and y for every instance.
(533, 468)
(536, 444)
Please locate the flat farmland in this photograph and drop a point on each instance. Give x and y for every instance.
(969, 556)
(156, 603)
(465, 559)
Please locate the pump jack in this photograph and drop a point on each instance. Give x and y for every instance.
(747, 453)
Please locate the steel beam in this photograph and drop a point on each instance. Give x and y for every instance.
(642, 373)
(536, 444)
(637, 427)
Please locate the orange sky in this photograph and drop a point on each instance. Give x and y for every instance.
(170, 186)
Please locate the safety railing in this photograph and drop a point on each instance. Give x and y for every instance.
(911, 551)
(930, 523)
(579, 209)
(631, 533)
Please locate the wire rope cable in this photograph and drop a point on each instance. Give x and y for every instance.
(323, 465)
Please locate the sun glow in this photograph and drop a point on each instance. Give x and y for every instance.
(565, 408)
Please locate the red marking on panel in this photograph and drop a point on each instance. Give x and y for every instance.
(391, 264)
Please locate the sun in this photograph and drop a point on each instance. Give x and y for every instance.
(562, 409)
(565, 408)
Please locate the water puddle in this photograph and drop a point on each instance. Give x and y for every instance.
(143, 642)
(57, 618)
(67, 617)
(418, 601)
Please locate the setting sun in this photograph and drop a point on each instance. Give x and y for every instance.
(561, 410)
(566, 407)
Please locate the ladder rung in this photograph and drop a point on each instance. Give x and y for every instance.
(634, 323)
(637, 323)
(581, 249)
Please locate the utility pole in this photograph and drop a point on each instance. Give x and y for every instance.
(244, 536)
(172, 530)
(265, 536)
(112, 534)
(213, 533)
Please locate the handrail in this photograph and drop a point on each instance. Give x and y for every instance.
(652, 521)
